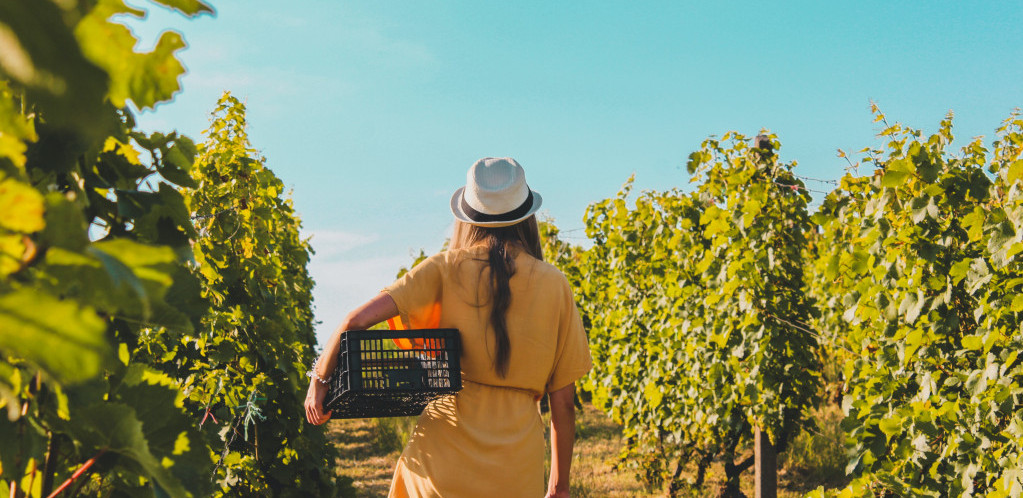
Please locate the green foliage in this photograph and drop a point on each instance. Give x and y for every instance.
(100, 302)
(416, 259)
(702, 321)
(918, 267)
(694, 305)
(100, 284)
(244, 367)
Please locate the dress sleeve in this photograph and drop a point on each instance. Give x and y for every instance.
(417, 294)
(572, 357)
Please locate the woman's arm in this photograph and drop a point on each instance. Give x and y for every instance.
(562, 439)
(374, 311)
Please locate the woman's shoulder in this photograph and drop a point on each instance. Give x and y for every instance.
(547, 273)
(551, 270)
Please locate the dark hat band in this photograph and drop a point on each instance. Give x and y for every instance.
(514, 214)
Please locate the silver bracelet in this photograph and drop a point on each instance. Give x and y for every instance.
(312, 373)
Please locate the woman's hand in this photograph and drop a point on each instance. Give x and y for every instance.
(314, 403)
(557, 494)
(371, 313)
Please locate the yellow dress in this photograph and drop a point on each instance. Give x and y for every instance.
(488, 440)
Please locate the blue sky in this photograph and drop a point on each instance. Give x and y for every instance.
(373, 111)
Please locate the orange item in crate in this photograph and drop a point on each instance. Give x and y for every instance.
(428, 320)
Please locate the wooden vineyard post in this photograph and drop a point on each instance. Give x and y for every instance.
(766, 464)
(765, 458)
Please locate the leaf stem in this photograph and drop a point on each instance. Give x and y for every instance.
(78, 473)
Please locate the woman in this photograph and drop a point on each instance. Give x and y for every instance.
(521, 338)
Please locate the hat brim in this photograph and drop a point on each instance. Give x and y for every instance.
(456, 209)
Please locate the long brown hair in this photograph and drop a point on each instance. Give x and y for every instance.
(502, 243)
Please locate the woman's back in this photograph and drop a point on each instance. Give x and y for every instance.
(492, 429)
(541, 305)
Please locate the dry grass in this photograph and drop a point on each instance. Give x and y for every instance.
(594, 470)
(370, 449)
(362, 457)
(369, 453)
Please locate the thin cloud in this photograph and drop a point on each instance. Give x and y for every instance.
(343, 285)
(264, 80)
(331, 243)
(370, 40)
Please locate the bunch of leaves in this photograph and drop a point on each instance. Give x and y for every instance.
(416, 259)
(93, 243)
(750, 265)
(564, 255)
(627, 286)
(918, 265)
(697, 314)
(244, 369)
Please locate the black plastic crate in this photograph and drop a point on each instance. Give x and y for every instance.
(375, 378)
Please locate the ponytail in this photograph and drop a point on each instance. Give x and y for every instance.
(502, 267)
(502, 244)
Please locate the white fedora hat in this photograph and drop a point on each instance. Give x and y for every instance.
(495, 194)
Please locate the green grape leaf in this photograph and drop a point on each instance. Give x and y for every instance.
(1001, 237)
(17, 439)
(12, 251)
(115, 427)
(1015, 172)
(169, 431)
(65, 224)
(927, 169)
(919, 207)
(38, 50)
(912, 305)
(22, 206)
(15, 129)
(177, 162)
(914, 340)
(144, 78)
(160, 216)
(190, 8)
(120, 277)
(653, 394)
(973, 343)
(891, 426)
(897, 173)
(63, 338)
